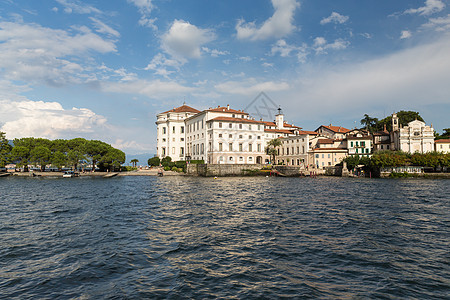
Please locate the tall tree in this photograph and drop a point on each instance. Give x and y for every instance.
(5, 150)
(369, 123)
(20, 155)
(112, 159)
(95, 150)
(134, 161)
(58, 159)
(40, 155)
(271, 148)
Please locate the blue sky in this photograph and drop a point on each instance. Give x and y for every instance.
(104, 69)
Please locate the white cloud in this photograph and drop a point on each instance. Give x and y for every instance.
(47, 119)
(403, 80)
(103, 28)
(75, 6)
(405, 34)
(215, 52)
(321, 45)
(431, 7)
(439, 24)
(183, 40)
(286, 50)
(153, 89)
(277, 26)
(145, 8)
(250, 87)
(335, 18)
(33, 53)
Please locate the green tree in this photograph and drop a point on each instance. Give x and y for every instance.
(20, 156)
(369, 123)
(95, 150)
(58, 159)
(74, 157)
(112, 160)
(271, 148)
(166, 160)
(134, 161)
(154, 161)
(5, 150)
(40, 155)
(445, 134)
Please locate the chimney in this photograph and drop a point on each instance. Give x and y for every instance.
(228, 106)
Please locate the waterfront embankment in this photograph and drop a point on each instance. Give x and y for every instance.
(151, 172)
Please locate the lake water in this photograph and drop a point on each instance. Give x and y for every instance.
(256, 237)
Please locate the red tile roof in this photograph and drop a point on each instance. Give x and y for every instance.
(278, 131)
(239, 120)
(336, 129)
(325, 141)
(326, 149)
(308, 132)
(226, 110)
(442, 141)
(181, 109)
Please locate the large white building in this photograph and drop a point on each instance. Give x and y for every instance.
(415, 137)
(171, 132)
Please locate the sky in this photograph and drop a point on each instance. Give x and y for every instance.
(104, 69)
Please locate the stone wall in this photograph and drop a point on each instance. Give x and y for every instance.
(210, 170)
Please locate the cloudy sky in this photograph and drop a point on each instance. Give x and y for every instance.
(104, 69)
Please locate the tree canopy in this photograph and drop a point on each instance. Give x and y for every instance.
(404, 117)
(60, 153)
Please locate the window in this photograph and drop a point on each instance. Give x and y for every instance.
(221, 158)
(351, 144)
(202, 124)
(240, 136)
(231, 158)
(220, 125)
(220, 146)
(241, 158)
(259, 128)
(367, 150)
(250, 127)
(164, 130)
(250, 147)
(182, 151)
(234, 116)
(303, 149)
(202, 149)
(230, 136)
(387, 147)
(357, 144)
(259, 137)
(240, 126)
(164, 140)
(287, 151)
(259, 147)
(363, 144)
(249, 137)
(230, 147)
(323, 155)
(182, 129)
(250, 159)
(230, 125)
(298, 150)
(220, 135)
(329, 155)
(182, 139)
(240, 147)
(163, 151)
(356, 150)
(173, 129)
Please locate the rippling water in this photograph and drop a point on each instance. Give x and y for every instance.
(180, 237)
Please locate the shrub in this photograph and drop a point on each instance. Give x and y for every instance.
(154, 161)
(175, 169)
(166, 168)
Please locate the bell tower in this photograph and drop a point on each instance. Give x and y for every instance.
(279, 119)
(395, 124)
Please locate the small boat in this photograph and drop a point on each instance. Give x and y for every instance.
(69, 174)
